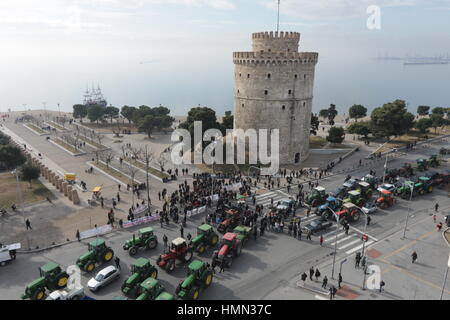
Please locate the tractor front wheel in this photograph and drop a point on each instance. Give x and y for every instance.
(194, 293)
(356, 216)
(89, 266)
(170, 266)
(201, 248)
(61, 280)
(214, 240)
(154, 274)
(238, 250)
(188, 256)
(132, 251)
(39, 294)
(430, 189)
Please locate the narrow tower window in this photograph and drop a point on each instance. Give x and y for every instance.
(290, 91)
(266, 92)
(283, 107)
(268, 76)
(296, 76)
(248, 76)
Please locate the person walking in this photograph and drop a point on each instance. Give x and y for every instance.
(436, 207)
(117, 262)
(339, 280)
(165, 240)
(299, 234)
(118, 197)
(118, 186)
(28, 224)
(304, 276)
(222, 266)
(382, 284)
(311, 273)
(333, 291)
(181, 231)
(368, 220)
(414, 256)
(317, 274)
(308, 235)
(78, 235)
(324, 282)
(321, 240)
(357, 259)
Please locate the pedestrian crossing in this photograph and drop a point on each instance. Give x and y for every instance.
(334, 236)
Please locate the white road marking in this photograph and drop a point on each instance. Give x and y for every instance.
(349, 244)
(342, 240)
(320, 297)
(359, 247)
(334, 237)
(361, 232)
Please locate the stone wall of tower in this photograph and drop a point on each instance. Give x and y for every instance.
(274, 90)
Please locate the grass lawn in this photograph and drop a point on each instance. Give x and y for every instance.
(316, 142)
(113, 172)
(36, 128)
(9, 192)
(66, 146)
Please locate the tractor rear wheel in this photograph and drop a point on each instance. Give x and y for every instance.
(194, 293)
(214, 240)
(39, 294)
(188, 255)
(133, 251)
(89, 266)
(61, 280)
(238, 249)
(154, 274)
(430, 189)
(208, 279)
(355, 216)
(170, 266)
(228, 262)
(151, 244)
(108, 254)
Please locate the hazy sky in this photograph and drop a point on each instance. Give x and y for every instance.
(179, 52)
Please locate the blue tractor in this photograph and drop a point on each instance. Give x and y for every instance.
(331, 203)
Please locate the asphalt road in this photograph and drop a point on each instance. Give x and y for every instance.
(266, 265)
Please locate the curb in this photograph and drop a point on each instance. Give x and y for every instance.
(110, 176)
(299, 284)
(34, 131)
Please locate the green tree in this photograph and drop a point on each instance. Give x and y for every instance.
(29, 173)
(336, 135)
(80, 111)
(439, 110)
(423, 110)
(127, 112)
(437, 120)
(357, 111)
(314, 124)
(228, 120)
(111, 112)
(11, 157)
(4, 139)
(392, 119)
(423, 125)
(323, 113)
(150, 123)
(96, 113)
(332, 113)
(360, 128)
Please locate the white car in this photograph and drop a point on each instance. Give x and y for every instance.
(67, 294)
(103, 278)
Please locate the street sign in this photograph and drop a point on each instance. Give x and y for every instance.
(365, 237)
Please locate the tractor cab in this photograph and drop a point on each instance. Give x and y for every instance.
(140, 265)
(318, 192)
(146, 233)
(355, 198)
(348, 209)
(371, 180)
(178, 245)
(350, 184)
(422, 164)
(386, 199)
(50, 270)
(365, 189)
(204, 229)
(195, 268)
(229, 238)
(97, 245)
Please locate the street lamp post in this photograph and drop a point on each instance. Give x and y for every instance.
(385, 167)
(365, 230)
(335, 242)
(411, 187)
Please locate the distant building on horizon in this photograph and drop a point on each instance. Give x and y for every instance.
(94, 97)
(274, 86)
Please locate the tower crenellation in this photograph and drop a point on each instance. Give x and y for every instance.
(274, 86)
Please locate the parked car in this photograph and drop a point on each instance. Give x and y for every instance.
(370, 208)
(317, 225)
(103, 278)
(67, 294)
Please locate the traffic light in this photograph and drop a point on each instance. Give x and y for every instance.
(365, 237)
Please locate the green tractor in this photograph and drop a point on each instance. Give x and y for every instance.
(199, 276)
(152, 289)
(206, 237)
(317, 197)
(422, 164)
(404, 191)
(98, 253)
(51, 277)
(243, 233)
(355, 197)
(146, 239)
(434, 161)
(365, 190)
(141, 269)
(424, 185)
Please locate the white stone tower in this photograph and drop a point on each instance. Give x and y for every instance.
(274, 90)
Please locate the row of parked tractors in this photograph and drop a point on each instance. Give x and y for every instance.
(359, 192)
(142, 284)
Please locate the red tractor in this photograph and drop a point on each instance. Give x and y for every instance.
(230, 247)
(232, 220)
(386, 199)
(180, 250)
(349, 213)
